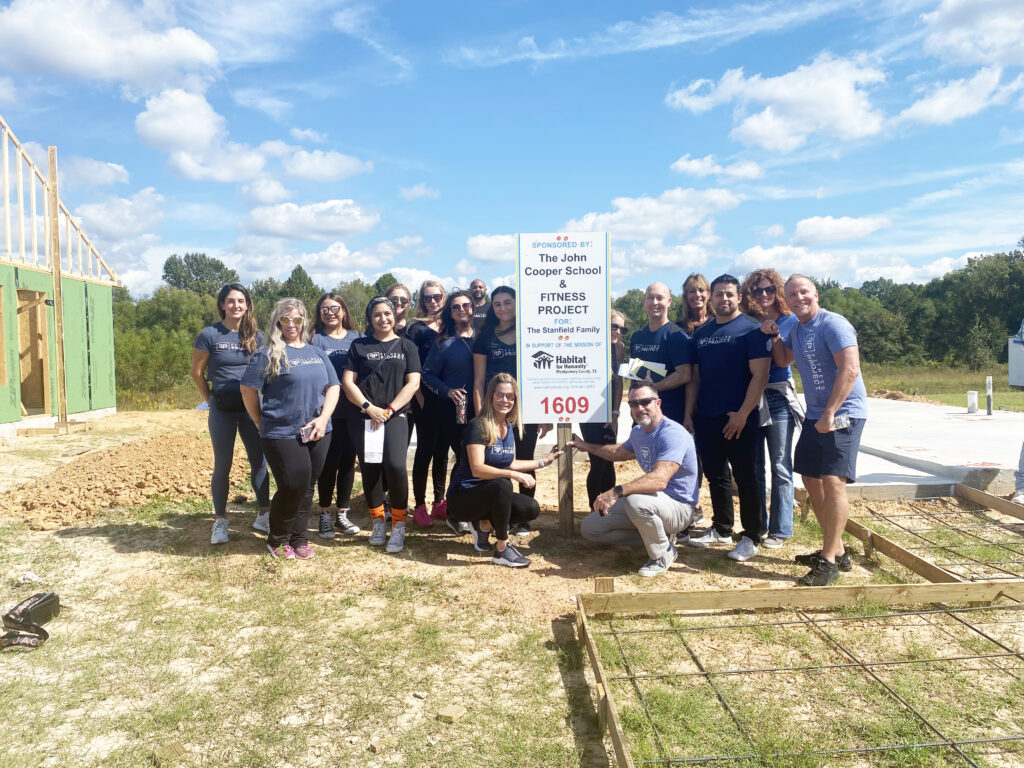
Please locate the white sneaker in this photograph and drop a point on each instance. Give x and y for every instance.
(220, 531)
(396, 541)
(379, 534)
(262, 522)
(773, 542)
(1018, 498)
(709, 537)
(745, 550)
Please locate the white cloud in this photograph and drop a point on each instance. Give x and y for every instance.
(118, 218)
(103, 40)
(899, 271)
(325, 166)
(977, 32)
(38, 154)
(826, 229)
(261, 101)
(277, 148)
(491, 247)
(787, 259)
(314, 221)
(228, 163)
(357, 21)
(772, 231)
(961, 98)
(265, 191)
(708, 25)
(419, 192)
(674, 213)
(655, 253)
(81, 172)
(706, 166)
(827, 96)
(379, 254)
(308, 134)
(8, 92)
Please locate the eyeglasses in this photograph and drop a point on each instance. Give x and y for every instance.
(330, 310)
(642, 402)
(617, 327)
(283, 321)
(399, 300)
(462, 307)
(505, 396)
(433, 296)
(766, 291)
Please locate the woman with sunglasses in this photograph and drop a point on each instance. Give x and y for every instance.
(423, 332)
(381, 377)
(481, 488)
(696, 307)
(219, 358)
(333, 333)
(601, 476)
(401, 300)
(300, 391)
(762, 299)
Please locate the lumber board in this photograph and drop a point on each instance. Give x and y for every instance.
(904, 557)
(998, 503)
(566, 504)
(37, 431)
(801, 597)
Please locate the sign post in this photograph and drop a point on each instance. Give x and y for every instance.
(564, 339)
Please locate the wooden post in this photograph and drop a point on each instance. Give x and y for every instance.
(566, 523)
(58, 295)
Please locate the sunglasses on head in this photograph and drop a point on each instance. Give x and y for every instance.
(399, 300)
(617, 327)
(766, 291)
(643, 402)
(290, 321)
(330, 310)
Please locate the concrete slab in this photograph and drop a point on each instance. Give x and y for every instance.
(879, 478)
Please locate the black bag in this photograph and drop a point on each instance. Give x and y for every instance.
(229, 400)
(24, 621)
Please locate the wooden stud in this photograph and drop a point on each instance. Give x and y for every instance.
(566, 521)
(886, 546)
(603, 584)
(58, 291)
(998, 503)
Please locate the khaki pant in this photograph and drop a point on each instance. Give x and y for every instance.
(647, 519)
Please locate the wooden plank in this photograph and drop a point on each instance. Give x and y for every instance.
(802, 597)
(890, 548)
(72, 426)
(606, 702)
(566, 523)
(997, 503)
(58, 294)
(37, 431)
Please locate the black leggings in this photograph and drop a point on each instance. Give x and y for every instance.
(492, 500)
(396, 446)
(431, 451)
(296, 466)
(340, 464)
(601, 476)
(525, 448)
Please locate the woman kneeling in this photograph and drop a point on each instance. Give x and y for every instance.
(481, 487)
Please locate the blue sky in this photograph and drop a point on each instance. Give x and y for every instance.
(848, 140)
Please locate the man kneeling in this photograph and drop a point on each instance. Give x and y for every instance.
(652, 509)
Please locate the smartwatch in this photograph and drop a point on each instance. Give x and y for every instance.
(618, 491)
(364, 406)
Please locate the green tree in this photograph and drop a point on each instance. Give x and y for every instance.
(357, 294)
(198, 273)
(382, 283)
(631, 305)
(300, 285)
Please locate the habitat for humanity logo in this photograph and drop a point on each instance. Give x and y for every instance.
(542, 360)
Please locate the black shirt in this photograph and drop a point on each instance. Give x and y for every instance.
(423, 336)
(380, 367)
(501, 357)
(479, 315)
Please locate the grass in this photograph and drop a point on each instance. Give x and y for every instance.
(945, 384)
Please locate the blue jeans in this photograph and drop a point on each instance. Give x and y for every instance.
(779, 437)
(1018, 476)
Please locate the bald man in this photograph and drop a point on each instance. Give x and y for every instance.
(662, 341)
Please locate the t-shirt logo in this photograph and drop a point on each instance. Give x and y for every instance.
(809, 341)
(644, 458)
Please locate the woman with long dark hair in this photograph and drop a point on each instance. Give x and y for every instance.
(219, 358)
(334, 334)
(300, 391)
(423, 332)
(381, 377)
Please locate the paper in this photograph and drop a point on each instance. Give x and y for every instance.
(373, 443)
(637, 369)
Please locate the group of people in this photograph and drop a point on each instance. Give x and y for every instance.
(718, 401)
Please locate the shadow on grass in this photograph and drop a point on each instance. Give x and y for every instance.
(583, 720)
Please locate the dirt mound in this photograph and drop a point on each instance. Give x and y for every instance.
(126, 475)
(895, 394)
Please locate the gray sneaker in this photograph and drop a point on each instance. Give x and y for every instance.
(659, 565)
(344, 525)
(379, 534)
(326, 528)
(219, 535)
(262, 522)
(458, 528)
(509, 556)
(396, 541)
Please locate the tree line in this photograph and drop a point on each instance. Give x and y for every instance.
(961, 319)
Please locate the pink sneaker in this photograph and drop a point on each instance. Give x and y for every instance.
(303, 551)
(439, 510)
(281, 551)
(420, 516)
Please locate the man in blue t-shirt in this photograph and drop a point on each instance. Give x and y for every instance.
(731, 361)
(654, 507)
(823, 346)
(662, 341)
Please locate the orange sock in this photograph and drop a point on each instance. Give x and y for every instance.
(377, 513)
(398, 515)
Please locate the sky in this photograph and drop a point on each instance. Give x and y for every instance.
(848, 140)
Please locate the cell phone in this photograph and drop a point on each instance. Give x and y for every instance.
(305, 432)
(840, 422)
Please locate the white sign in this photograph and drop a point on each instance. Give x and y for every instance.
(562, 327)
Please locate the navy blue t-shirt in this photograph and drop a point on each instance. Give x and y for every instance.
(295, 396)
(423, 336)
(670, 346)
(723, 352)
(449, 366)
(501, 357)
(337, 352)
(228, 358)
(500, 455)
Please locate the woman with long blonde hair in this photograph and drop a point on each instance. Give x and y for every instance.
(696, 306)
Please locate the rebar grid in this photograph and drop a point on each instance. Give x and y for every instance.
(988, 662)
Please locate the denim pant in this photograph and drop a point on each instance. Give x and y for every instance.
(778, 518)
(223, 427)
(1019, 474)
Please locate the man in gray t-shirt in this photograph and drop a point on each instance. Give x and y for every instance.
(654, 507)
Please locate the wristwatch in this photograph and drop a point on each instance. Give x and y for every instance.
(618, 491)
(364, 406)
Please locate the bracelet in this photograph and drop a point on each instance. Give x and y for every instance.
(391, 408)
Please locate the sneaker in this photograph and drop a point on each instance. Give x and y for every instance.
(396, 541)
(281, 551)
(326, 526)
(683, 537)
(219, 535)
(520, 529)
(843, 561)
(509, 556)
(421, 517)
(262, 522)
(1018, 498)
(743, 551)
(303, 551)
(773, 542)
(659, 565)
(343, 524)
(821, 575)
(379, 534)
(482, 541)
(460, 529)
(439, 510)
(709, 537)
